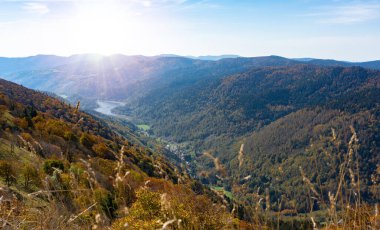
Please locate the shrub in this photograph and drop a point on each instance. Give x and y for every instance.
(7, 172)
(31, 176)
(70, 136)
(87, 140)
(49, 166)
(145, 213)
(101, 149)
(106, 202)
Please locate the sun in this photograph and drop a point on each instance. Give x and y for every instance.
(101, 28)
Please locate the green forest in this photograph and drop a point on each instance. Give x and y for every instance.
(242, 143)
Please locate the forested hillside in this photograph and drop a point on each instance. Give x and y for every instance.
(316, 140)
(275, 137)
(61, 168)
(118, 77)
(90, 77)
(241, 103)
(284, 117)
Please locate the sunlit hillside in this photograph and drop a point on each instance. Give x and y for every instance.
(190, 114)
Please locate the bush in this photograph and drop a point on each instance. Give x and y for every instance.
(145, 213)
(31, 176)
(87, 140)
(7, 172)
(70, 136)
(106, 202)
(101, 150)
(49, 166)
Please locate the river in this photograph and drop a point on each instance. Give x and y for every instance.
(106, 107)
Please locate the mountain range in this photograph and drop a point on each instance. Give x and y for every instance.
(95, 76)
(245, 124)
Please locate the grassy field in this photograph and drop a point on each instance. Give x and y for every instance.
(143, 127)
(221, 189)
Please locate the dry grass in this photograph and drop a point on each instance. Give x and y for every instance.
(241, 155)
(346, 210)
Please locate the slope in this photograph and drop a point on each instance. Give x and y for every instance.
(315, 140)
(62, 168)
(287, 109)
(242, 103)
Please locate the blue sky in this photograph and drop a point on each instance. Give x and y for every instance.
(345, 30)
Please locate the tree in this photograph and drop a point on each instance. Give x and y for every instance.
(7, 172)
(30, 176)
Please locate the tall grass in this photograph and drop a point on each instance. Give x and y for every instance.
(346, 209)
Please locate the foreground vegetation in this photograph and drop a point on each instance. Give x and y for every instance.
(64, 169)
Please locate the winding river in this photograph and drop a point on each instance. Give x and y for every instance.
(106, 107)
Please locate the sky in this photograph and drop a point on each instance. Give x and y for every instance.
(330, 29)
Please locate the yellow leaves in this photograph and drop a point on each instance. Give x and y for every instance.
(20, 122)
(101, 149)
(87, 140)
(51, 126)
(129, 223)
(26, 137)
(152, 209)
(104, 166)
(145, 213)
(148, 204)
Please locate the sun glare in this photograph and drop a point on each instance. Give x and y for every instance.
(101, 28)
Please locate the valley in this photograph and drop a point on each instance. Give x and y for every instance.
(106, 107)
(183, 152)
(246, 128)
(190, 115)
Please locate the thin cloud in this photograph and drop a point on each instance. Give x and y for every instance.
(202, 4)
(150, 3)
(145, 3)
(37, 8)
(105, 1)
(347, 14)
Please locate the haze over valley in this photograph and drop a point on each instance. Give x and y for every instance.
(189, 114)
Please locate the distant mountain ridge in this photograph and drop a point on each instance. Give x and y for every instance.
(88, 77)
(204, 57)
(330, 62)
(124, 70)
(80, 75)
(277, 107)
(214, 57)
